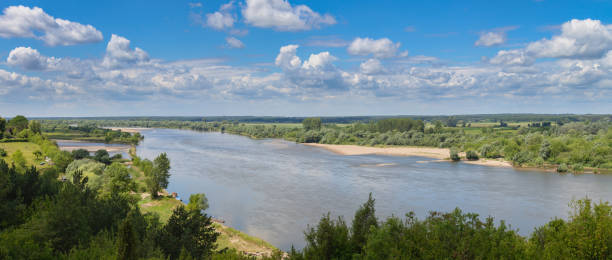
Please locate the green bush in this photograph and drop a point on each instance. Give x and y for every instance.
(454, 155)
(471, 155)
(2, 152)
(562, 168)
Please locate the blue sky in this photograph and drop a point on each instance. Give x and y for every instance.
(301, 58)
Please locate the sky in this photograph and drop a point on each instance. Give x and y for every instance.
(304, 58)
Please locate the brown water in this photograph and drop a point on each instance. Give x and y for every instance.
(273, 189)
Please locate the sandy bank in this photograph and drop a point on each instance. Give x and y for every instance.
(430, 152)
(127, 129)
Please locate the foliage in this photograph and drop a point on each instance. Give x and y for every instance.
(158, 175)
(102, 156)
(471, 155)
(197, 202)
(313, 123)
(188, 230)
(80, 154)
(454, 155)
(117, 179)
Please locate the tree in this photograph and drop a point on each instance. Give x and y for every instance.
(127, 241)
(18, 159)
(365, 217)
(311, 123)
(451, 121)
(328, 240)
(190, 230)
(35, 126)
(37, 154)
(102, 156)
(62, 159)
(2, 127)
(159, 175)
(80, 154)
(197, 202)
(117, 179)
(454, 155)
(17, 124)
(471, 155)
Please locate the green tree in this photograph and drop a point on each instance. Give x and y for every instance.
(454, 155)
(365, 218)
(37, 154)
(311, 123)
(17, 124)
(18, 159)
(35, 126)
(159, 175)
(2, 127)
(328, 240)
(102, 156)
(127, 240)
(117, 179)
(197, 202)
(61, 160)
(80, 154)
(189, 230)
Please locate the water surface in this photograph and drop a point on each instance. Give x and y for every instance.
(273, 189)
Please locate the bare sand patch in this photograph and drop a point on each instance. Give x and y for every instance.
(442, 154)
(430, 152)
(127, 129)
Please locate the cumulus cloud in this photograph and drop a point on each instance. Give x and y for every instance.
(381, 48)
(371, 66)
(489, 39)
(29, 59)
(282, 16)
(579, 39)
(512, 57)
(317, 72)
(219, 21)
(119, 52)
(234, 43)
(25, 22)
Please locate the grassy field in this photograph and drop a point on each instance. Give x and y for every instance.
(26, 148)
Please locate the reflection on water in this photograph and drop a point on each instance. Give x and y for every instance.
(273, 189)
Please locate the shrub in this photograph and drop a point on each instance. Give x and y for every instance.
(2, 152)
(471, 155)
(562, 168)
(454, 155)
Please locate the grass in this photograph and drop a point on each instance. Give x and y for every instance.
(232, 238)
(26, 148)
(162, 206)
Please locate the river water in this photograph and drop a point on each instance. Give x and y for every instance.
(273, 189)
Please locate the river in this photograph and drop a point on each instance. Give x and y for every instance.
(273, 189)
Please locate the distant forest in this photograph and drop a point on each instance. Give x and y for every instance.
(563, 118)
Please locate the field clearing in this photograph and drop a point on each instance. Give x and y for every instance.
(26, 148)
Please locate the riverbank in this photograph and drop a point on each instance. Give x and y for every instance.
(229, 237)
(429, 152)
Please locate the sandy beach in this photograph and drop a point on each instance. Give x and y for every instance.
(430, 152)
(127, 129)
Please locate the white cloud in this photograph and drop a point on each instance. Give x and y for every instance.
(280, 15)
(381, 48)
(287, 58)
(371, 66)
(220, 20)
(491, 39)
(512, 57)
(25, 22)
(234, 43)
(319, 61)
(29, 59)
(118, 53)
(579, 39)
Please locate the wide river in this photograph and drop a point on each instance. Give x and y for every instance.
(273, 189)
